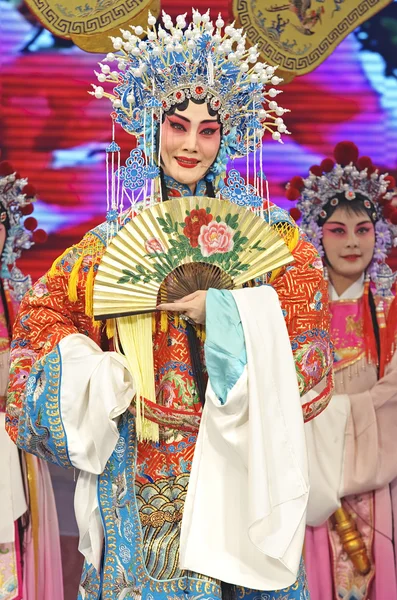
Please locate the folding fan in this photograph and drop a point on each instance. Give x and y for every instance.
(180, 246)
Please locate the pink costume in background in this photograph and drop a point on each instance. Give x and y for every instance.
(30, 557)
(352, 447)
(369, 462)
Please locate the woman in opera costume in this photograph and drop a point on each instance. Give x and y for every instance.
(348, 213)
(239, 527)
(30, 560)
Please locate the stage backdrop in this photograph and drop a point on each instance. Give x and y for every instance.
(55, 133)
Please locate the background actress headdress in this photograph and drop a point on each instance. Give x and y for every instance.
(355, 177)
(16, 206)
(350, 174)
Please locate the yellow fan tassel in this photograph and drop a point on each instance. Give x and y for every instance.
(135, 333)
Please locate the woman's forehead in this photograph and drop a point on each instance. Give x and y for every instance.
(343, 214)
(195, 113)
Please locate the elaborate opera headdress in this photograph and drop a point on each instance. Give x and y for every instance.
(155, 69)
(16, 203)
(350, 175)
(319, 194)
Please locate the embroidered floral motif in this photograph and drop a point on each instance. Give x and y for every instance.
(317, 263)
(10, 573)
(312, 353)
(165, 393)
(353, 326)
(317, 304)
(347, 332)
(41, 289)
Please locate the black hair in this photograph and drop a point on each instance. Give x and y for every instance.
(358, 205)
(375, 324)
(6, 221)
(185, 103)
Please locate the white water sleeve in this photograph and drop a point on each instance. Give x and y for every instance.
(96, 388)
(325, 439)
(245, 512)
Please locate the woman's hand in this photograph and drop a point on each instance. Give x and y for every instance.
(191, 306)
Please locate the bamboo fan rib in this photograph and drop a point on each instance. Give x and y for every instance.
(184, 244)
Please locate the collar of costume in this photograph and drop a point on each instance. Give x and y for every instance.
(160, 67)
(177, 190)
(354, 291)
(349, 174)
(16, 203)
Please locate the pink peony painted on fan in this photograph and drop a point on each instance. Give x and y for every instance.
(215, 237)
(154, 246)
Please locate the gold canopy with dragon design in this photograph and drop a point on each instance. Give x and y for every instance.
(298, 35)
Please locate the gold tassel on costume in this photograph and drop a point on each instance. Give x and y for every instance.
(163, 321)
(163, 313)
(74, 279)
(89, 292)
(91, 249)
(55, 265)
(110, 328)
(200, 329)
(352, 541)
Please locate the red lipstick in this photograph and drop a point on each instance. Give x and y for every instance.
(187, 163)
(351, 257)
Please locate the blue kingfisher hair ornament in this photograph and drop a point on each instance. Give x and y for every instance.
(155, 69)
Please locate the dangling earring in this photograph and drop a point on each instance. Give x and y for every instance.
(325, 271)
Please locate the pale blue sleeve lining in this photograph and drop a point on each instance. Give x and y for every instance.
(225, 353)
